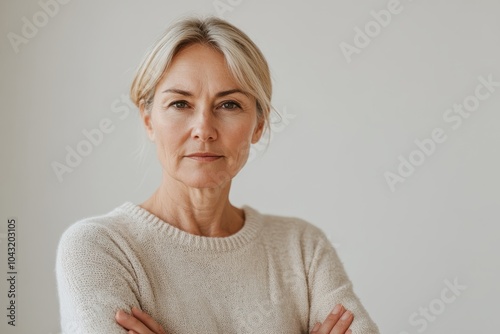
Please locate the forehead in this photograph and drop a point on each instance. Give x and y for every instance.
(198, 66)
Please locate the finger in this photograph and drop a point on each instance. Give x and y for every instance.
(331, 319)
(130, 322)
(148, 321)
(316, 327)
(337, 322)
(342, 325)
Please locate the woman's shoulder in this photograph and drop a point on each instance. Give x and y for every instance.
(93, 248)
(288, 225)
(97, 228)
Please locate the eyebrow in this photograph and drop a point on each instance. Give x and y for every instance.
(220, 94)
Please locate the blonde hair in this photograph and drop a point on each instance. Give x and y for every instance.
(244, 59)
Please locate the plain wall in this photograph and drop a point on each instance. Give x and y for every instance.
(346, 122)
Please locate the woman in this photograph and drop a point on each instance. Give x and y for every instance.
(189, 259)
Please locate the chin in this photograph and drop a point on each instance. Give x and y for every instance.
(207, 180)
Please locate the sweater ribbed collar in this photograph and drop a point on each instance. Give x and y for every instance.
(251, 228)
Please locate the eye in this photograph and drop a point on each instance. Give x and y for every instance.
(179, 104)
(230, 105)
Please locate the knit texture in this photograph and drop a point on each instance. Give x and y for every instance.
(275, 275)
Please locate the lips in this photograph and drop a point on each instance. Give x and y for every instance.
(204, 156)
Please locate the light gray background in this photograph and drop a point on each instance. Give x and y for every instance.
(343, 126)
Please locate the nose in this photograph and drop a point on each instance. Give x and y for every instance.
(204, 126)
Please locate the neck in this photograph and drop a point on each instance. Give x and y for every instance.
(198, 211)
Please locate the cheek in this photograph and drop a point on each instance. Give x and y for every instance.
(168, 138)
(239, 142)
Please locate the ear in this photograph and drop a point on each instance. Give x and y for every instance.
(259, 129)
(146, 119)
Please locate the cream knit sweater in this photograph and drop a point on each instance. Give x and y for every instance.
(275, 275)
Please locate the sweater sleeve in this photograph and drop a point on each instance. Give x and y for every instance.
(329, 285)
(94, 280)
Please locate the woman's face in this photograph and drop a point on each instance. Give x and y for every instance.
(201, 120)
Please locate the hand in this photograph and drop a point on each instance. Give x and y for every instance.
(139, 322)
(337, 322)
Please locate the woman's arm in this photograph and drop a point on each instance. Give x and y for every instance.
(337, 321)
(139, 322)
(94, 280)
(329, 285)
